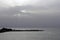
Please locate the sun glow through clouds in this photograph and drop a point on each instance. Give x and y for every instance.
(23, 11)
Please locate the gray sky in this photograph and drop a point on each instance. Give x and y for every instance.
(30, 13)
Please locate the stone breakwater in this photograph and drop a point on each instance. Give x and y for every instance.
(8, 30)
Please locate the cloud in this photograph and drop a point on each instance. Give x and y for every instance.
(6, 3)
(39, 13)
(36, 4)
(36, 7)
(17, 10)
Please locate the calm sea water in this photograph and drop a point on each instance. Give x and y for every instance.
(48, 34)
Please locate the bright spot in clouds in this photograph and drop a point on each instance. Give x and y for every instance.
(20, 13)
(23, 11)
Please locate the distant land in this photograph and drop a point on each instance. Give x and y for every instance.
(8, 30)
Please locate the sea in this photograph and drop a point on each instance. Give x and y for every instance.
(48, 34)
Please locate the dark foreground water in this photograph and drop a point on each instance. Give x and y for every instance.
(48, 34)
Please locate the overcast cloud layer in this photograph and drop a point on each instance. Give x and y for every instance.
(30, 13)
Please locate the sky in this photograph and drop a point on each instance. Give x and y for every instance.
(30, 13)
